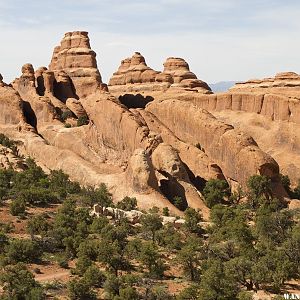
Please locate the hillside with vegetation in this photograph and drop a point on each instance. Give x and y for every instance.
(52, 248)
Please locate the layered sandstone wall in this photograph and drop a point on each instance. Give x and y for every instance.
(234, 152)
(286, 83)
(75, 57)
(275, 107)
(134, 75)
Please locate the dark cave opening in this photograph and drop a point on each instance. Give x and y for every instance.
(135, 101)
(29, 114)
(64, 90)
(197, 181)
(40, 89)
(174, 192)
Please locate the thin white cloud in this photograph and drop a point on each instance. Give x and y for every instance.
(220, 39)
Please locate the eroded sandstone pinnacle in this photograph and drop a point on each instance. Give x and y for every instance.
(150, 134)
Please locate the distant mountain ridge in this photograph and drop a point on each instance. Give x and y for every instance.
(222, 86)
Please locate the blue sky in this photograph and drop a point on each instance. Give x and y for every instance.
(220, 39)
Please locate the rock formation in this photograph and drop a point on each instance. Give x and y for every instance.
(152, 136)
(75, 106)
(76, 58)
(268, 110)
(215, 136)
(134, 75)
(133, 70)
(179, 70)
(1, 80)
(286, 83)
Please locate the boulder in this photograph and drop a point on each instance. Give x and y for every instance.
(294, 204)
(168, 220)
(165, 159)
(141, 172)
(133, 216)
(75, 106)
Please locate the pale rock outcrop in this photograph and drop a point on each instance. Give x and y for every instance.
(141, 172)
(75, 57)
(236, 153)
(75, 106)
(168, 220)
(133, 70)
(134, 75)
(181, 75)
(166, 160)
(39, 110)
(174, 179)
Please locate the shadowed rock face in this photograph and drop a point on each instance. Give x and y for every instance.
(154, 145)
(1, 80)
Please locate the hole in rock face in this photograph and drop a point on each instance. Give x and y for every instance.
(40, 86)
(64, 90)
(174, 192)
(135, 101)
(29, 114)
(197, 181)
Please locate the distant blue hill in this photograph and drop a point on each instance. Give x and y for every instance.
(222, 86)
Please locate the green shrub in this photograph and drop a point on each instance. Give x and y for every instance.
(37, 196)
(166, 211)
(214, 192)
(83, 120)
(66, 114)
(20, 284)
(82, 264)
(94, 277)
(17, 207)
(63, 262)
(98, 224)
(22, 251)
(179, 203)
(6, 142)
(127, 203)
(78, 289)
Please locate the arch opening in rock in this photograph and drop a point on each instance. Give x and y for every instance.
(174, 192)
(135, 101)
(63, 90)
(197, 181)
(29, 114)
